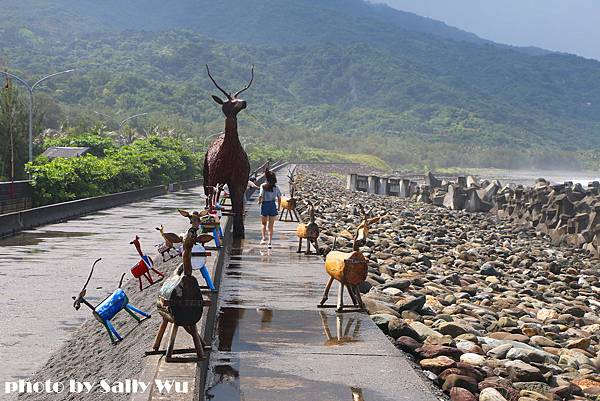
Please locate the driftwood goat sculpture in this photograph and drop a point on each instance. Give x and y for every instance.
(143, 267)
(170, 239)
(349, 268)
(108, 308)
(180, 299)
(309, 231)
(288, 205)
(226, 161)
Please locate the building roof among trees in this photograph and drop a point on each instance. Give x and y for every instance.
(63, 151)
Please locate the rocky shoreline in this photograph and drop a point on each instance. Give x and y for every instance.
(489, 309)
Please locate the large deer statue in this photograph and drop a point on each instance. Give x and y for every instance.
(226, 161)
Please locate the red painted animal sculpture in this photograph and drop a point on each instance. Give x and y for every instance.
(226, 161)
(143, 267)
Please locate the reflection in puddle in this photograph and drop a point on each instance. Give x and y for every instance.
(266, 255)
(343, 335)
(242, 330)
(357, 394)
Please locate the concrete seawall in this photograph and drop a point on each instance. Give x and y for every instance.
(12, 223)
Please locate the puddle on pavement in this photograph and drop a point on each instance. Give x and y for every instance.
(241, 330)
(27, 238)
(233, 380)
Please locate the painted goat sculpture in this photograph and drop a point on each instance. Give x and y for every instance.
(180, 300)
(109, 307)
(349, 268)
(170, 239)
(143, 267)
(226, 161)
(309, 231)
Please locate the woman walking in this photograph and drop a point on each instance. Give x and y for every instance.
(269, 200)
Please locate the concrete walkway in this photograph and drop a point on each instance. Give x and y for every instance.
(272, 343)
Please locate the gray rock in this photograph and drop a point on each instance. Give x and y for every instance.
(490, 394)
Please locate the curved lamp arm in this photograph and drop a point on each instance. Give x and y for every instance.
(21, 80)
(50, 76)
(130, 118)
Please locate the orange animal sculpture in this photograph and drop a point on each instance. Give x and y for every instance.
(349, 268)
(308, 232)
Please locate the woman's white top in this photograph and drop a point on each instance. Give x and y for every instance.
(269, 196)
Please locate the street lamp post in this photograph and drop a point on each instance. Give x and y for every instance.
(30, 89)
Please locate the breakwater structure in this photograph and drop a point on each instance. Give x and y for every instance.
(569, 213)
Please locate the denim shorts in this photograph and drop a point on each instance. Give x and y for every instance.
(268, 209)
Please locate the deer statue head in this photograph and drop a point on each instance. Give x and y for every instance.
(81, 297)
(232, 105)
(292, 180)
(195, 217)
(189, 240)
(311, 211)
(362, 231)
(138, 246)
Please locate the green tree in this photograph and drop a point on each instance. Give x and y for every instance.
(13, 132)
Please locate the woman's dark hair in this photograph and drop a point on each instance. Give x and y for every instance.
(271, 180)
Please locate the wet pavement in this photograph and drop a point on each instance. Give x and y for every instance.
(41, 269)
(273, 343)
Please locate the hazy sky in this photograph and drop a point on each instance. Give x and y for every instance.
(571, 26)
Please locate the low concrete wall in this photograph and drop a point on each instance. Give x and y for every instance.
(12, 223)
(15, 196)
(178, 186)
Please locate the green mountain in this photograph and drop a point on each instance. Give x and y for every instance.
(337, 74)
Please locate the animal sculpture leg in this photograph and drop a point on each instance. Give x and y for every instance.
(361, 304)
(132, 314)
(140, 280)
(207, 278)
(281, 215)
(340, 298)
(220, 231)
(198, 343)
(110, 334)
(316, 245)
(114, 331)
(157, 272)
(172, 341)
(352, 295)
(299, 245)
(326, 292)
(237, 205)
(296, 215)
(216, 237)
(132, 308)
(159, 334)
(308, 252)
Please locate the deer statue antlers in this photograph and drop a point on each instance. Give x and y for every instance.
(230, 97)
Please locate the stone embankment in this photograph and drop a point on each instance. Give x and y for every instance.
(567, 212)
(489, 309)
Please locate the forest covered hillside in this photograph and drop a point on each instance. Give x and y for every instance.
(336, 74)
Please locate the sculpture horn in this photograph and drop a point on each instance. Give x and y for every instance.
(216, 84)
(247, 86)
(90, 275)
